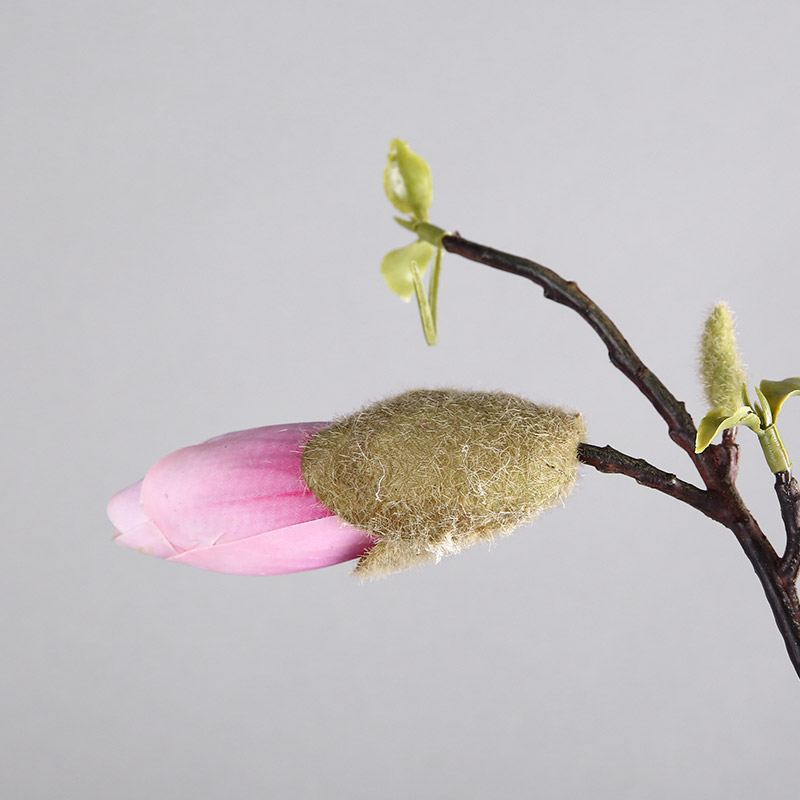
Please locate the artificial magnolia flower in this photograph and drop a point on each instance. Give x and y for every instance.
(403, 481)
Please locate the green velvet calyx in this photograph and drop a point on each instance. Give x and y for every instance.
(430, 472)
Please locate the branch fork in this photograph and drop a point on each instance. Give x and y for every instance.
(717, 466)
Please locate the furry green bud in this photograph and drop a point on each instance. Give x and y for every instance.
(721, 368)
(432, 472)
(407, 180)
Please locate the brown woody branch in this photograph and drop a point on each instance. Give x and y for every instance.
(717, 465)
(622, 355)
(609, 460)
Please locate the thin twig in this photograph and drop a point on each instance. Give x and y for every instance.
(622, 355)
(608, 459)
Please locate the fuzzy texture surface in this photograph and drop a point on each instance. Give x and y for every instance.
(721, 367)
(431, 472)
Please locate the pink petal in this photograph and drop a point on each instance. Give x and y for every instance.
(146, 538)
(308, 545)
(125, 509)
(232, 487)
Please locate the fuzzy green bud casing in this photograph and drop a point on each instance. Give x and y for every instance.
(408, 181)
(432, 472)
(721, 368)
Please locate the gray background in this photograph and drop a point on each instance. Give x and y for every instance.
(191, 230)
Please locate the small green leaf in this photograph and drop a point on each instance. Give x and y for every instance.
(718, 420)
(408, 181)
(775, 392)
(396, 267)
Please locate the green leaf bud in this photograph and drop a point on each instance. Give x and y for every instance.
(407, 180)
(721, 369)
(429, 473)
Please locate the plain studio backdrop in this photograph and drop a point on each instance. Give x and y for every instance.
(192, 226)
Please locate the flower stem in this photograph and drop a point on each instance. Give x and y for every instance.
(609, 460)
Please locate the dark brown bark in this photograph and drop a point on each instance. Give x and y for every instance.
(789, 499)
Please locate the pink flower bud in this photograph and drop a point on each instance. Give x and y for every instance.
(237, 503)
